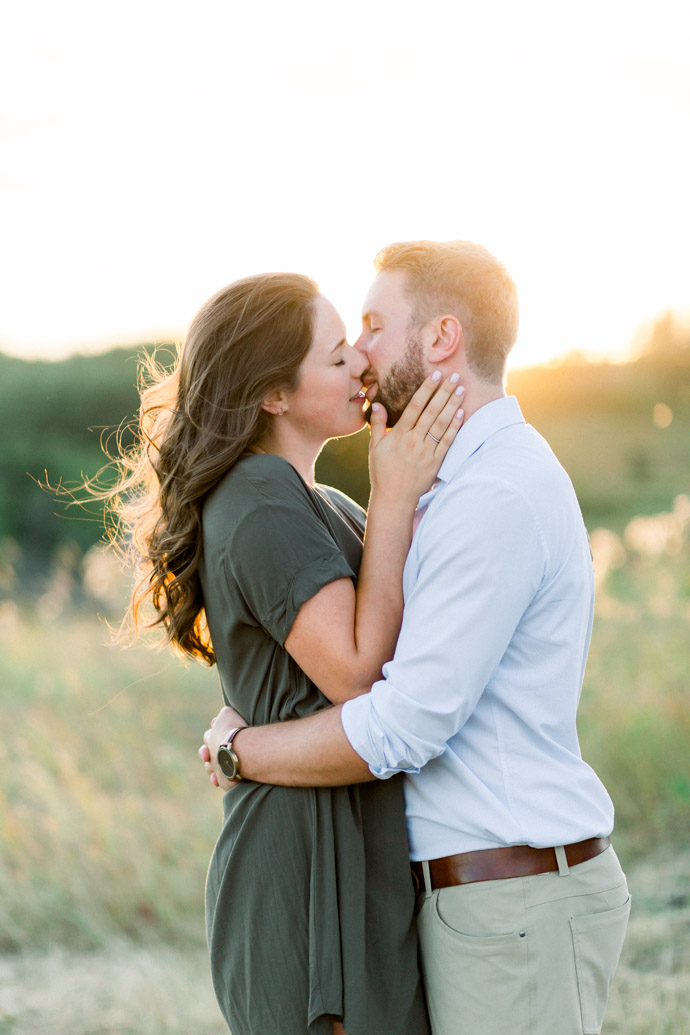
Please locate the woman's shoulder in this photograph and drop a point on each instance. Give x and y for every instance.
(269, 474)
(256, 480)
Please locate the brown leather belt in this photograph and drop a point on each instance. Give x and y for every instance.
(499, 863)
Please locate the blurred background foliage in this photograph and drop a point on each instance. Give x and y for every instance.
(106, 819)
(620, 430)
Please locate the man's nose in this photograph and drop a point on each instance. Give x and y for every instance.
(360, 361)
(360, 344)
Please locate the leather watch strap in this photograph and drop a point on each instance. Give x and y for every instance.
(227, 757)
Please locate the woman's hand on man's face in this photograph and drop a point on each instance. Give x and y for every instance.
(405, 460)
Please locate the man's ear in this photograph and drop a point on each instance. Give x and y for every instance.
(275, 402)
(446, 339)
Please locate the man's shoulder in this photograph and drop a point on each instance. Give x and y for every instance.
(514, 478)
(517, 458)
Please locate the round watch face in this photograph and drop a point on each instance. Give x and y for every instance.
(226, 762)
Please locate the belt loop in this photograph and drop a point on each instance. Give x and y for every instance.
(562, 861)
(427, 878)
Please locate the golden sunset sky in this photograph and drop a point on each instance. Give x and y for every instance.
(153, 151)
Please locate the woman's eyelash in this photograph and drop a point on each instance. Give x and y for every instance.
(340, 363)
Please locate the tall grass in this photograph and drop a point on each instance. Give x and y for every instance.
(106, 816)
(635, 711)
(107, 819)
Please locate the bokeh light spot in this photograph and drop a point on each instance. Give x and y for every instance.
(662, 415)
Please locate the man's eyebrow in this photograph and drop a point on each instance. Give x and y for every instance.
(338, 346)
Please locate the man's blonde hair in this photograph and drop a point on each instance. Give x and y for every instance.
(464, 279)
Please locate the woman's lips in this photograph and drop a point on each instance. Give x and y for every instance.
(361, 400)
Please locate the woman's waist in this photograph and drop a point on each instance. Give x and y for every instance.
(262, 800)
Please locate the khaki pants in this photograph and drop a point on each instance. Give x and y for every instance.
(527, 955)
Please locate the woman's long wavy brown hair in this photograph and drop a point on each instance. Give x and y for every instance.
(194, 424)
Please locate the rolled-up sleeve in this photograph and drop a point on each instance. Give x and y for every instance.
(459, 618)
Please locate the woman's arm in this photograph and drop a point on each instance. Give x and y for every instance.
(342, 637)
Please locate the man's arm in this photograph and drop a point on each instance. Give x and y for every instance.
(478, 568)
(308, 752)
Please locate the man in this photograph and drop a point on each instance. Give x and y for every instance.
(523, 905)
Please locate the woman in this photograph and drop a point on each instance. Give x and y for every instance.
(250, 564)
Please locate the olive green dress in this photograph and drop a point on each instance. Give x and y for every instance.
(309, 899)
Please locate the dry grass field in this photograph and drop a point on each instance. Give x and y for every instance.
(127, 988)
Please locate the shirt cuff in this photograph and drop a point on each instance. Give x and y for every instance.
(363, 730)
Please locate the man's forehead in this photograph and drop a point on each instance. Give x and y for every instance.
(386, 294)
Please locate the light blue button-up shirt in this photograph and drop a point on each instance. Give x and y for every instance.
(478, 705)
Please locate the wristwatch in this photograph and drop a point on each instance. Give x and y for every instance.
(228, 762)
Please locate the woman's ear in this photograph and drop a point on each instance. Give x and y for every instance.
(275, 403)
(447, 339)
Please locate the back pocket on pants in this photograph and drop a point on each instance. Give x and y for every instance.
(597, 941)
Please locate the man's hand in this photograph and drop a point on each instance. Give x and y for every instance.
(227, 719)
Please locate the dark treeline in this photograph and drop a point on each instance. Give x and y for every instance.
(623, 454)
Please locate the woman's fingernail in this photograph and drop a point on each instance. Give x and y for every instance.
(454, 378)
(436, 376)
(459, 390)
(375, 407)
(460, 413)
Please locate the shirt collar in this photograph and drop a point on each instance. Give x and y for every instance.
(483, 423)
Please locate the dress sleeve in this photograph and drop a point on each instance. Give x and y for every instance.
(279, 556)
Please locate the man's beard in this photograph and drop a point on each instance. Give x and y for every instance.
(402, 381)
